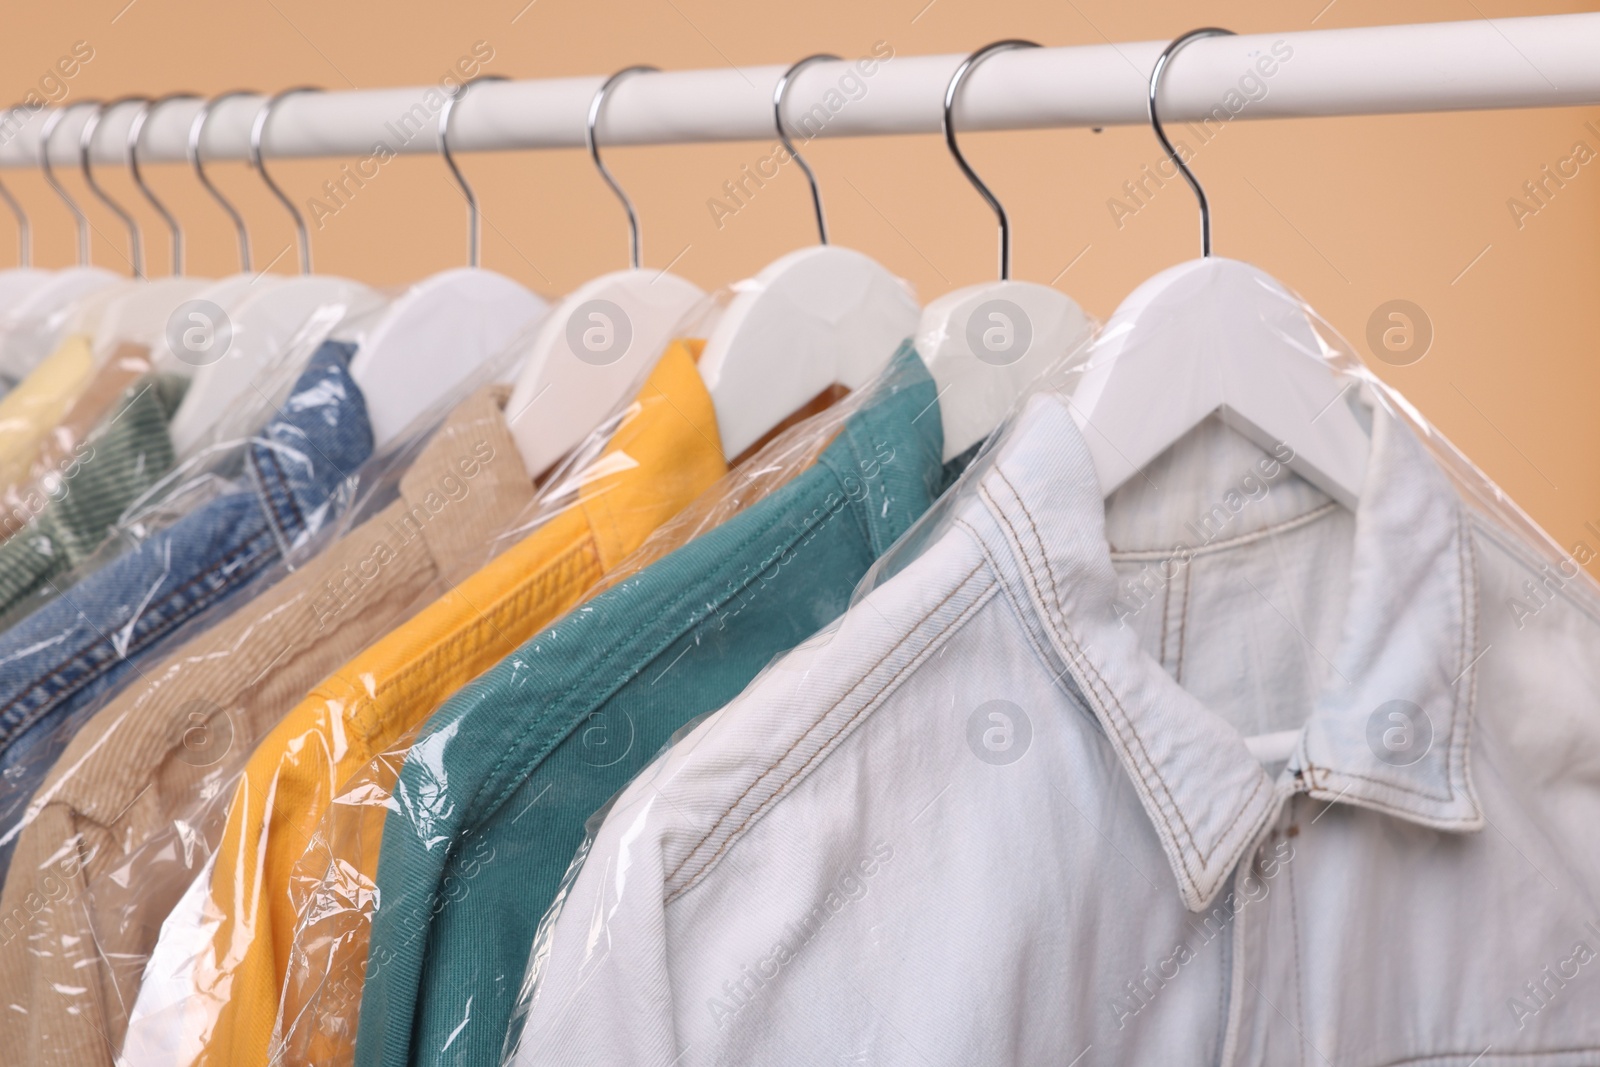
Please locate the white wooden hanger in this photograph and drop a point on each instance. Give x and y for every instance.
(19, 281)
(590, 351)
(1216, 335)
(442, 328)
(225, 294)
(23, 302)
(814, 318)
(984, 344)
(284, 319)
(255, 322)
(141, 313)
(33, 327)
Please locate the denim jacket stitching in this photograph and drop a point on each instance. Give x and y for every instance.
(277, 488)
(1121, 720)
(87, 664)
(883, 690)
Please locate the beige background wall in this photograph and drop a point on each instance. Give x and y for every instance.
(1351, 212)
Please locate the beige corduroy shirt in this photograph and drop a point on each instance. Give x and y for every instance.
(97, 865)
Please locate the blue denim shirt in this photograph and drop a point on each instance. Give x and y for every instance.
(56, 663)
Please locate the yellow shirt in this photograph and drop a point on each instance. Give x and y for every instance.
(663, 455)
(30, 411)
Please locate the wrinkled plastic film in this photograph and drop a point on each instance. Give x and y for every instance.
(131, 787)
(576, 936)
(541, 938)
(1359, 388)
(31, 330)
(187, 986)
(213, 461)
(334, 891)
(110, 475)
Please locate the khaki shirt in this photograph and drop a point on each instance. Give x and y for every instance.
(75, 926)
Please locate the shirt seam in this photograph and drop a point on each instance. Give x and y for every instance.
(1122, 720)
(277, 479)
(772, 767)
(243, 557)
(552, 574)
(1136, 555)
(1049, 658)
(686, 595)
(1469, 1058)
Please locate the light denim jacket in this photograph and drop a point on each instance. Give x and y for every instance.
(58, 660)
(1318, 793)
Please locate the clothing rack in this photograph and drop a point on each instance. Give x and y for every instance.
(1539, 61)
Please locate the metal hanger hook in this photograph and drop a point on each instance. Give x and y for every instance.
(1156, 73)
(135, 128)
(85, 140)
(24, 227)
(780, 91)
(951, 92)
(258, 130)
(197, 129)
(450, 161)
(49, 171)
(595, 107)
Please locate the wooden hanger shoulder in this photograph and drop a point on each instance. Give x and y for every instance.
(142, 313)
(17, 283)
(247, 344)
(985, 344)
(432, 338)
(1218, 335)
(816, 317)
(36, 324)
(588, 354)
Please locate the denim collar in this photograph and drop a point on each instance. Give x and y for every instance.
(1407, 648)
(300, 463)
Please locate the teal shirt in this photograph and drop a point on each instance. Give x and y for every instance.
(491, 804)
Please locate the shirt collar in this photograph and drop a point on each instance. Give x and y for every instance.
(1391, 734)
(304, 456)
(659, 452)
(888, 457)
(471, 460)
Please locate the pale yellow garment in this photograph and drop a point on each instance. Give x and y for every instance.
(30, 411)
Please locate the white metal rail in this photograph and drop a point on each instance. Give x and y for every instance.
(1542, 61)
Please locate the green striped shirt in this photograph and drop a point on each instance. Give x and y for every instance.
(127, 453)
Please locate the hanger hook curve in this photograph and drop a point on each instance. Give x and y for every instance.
(595, 107)
(24, 226)
(951, 92)
(780, 91)
(450, 102)
(135, 128)
(196, 129)
(1156, 73)
(258, 131)
(49, 171)
(85, 140)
